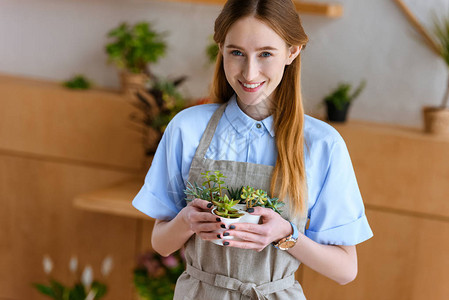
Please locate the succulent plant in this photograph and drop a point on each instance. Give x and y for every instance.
(212, 190)
(224, 207)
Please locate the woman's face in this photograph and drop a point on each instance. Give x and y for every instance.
(254, 58)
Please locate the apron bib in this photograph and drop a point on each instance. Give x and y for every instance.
(226, 273)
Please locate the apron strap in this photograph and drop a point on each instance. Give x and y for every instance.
(250, 290)
(208, 134)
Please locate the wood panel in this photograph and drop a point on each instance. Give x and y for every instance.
(115, 199)
(37, 218)
(45, 119)
(399, 168)
(405, 260)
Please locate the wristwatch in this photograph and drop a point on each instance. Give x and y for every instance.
(289, 241)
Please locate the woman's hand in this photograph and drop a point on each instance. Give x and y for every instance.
(197, 214)
(258, 236)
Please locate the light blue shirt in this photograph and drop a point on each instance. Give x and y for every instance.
(336, 211)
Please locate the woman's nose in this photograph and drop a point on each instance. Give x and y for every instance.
(250, 70)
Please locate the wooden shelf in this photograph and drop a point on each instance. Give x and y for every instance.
(115, 199)
(331, 10)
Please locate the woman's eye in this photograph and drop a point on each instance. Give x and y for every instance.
(265, 54)
(236, 53)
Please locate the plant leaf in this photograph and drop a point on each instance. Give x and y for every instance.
(46, 290)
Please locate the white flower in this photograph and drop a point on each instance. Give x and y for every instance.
(73, 264)
(87, 277)
(106, 266)
(48, 264)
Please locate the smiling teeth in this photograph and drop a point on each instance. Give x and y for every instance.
(251, 86)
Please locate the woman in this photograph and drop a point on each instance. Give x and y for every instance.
(258, 137)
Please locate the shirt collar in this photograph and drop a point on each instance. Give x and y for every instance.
(243, 123)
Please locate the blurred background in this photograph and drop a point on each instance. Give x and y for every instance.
(72, 159)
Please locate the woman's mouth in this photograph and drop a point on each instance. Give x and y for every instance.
(251, 87)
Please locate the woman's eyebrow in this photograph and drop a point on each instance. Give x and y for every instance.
(258, 49)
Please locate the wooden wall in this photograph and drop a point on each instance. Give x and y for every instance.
(54, 145)
(403, 176)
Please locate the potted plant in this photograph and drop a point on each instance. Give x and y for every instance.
(436, 118)
(78, 82)
(132, 48)
(230, 204)
(157, 105)
(212, 190)
(84, 288)
(155, 276)
(339, 100)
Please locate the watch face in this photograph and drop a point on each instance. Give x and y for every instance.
(287, 244)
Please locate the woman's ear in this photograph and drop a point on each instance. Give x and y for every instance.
(220, 48)
(293, 52)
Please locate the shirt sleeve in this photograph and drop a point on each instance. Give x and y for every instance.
(338, 215)
(162, 195)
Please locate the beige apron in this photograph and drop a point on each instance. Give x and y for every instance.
(219, 272)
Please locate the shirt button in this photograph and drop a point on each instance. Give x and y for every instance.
(258, 125)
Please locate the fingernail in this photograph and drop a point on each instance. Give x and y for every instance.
(218, 219)
(223, 226)
(218, 236)
(232, 227)
(209, 205)
(250, 210)
(225, 243)
(226, 234)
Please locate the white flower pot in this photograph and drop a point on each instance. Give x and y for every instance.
(249, 218)
(246, 218)
(228, 223)
(241, 207)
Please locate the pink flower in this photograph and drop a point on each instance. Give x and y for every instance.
(152, 266)
(170, 261)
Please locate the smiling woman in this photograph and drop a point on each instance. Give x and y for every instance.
(256, 135)
(254, 59)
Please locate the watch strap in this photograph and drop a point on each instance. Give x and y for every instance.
(295, 234)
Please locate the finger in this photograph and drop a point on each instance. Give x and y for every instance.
(203, 204)
(249, 237)
(203, 216)
(259, 229)
(243, 245)
(262, 211)
(207, 227)
(208, 236)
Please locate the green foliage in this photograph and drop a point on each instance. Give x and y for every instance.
(99, 289)
(212, 190)
(214, 184)
(58, 291)
(196, 191)
(224, 207)
(441, 31)
(155, 276)
(134, 47)
(172, 103)
(253, 197)
(155, 115)
(275, 204)
(236, 193)
(212, 51)
(78, 82)
(341, 95)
